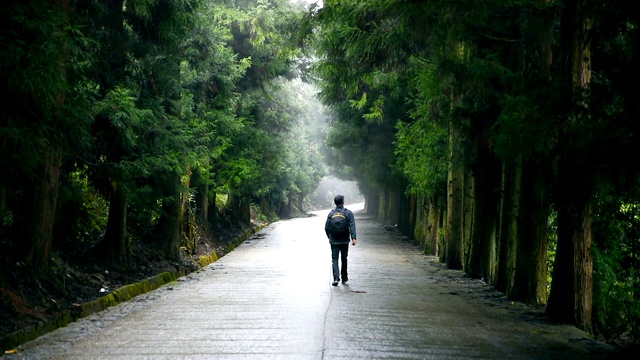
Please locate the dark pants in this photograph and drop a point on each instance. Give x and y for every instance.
(343, 251)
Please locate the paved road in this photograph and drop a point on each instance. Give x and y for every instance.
(271, 298)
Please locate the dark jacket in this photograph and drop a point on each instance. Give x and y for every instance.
(352, 227)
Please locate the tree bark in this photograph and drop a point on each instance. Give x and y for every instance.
(39, 224)
(483, 240)
(572, 285)
(533, 61)
(412, 220)
(468, 209)
(240, 209)
(234, 207)
(43, 199)
(115, 243)
(245, 210)
(372, 200)
(442, 240)
(301, 201)
(532, 58)
(435, 220)
(530, 283)
(510, 208)
(169, 224)
(405, 223)
(394, 206)
(455, 210)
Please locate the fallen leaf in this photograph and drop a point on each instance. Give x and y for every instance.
(12, 351)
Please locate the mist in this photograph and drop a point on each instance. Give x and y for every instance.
(329, 187)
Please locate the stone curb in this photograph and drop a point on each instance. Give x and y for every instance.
(116, 297)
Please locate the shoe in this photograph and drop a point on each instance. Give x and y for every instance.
(335, 282)
(345, 280)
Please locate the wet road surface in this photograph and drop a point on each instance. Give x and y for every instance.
(271, 298)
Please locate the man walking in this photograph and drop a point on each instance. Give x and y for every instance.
(341, 229)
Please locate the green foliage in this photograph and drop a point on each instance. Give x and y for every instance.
(421, 146)
(274, 159)
(421, 155)
(123, 122)
(258, 213)
(616, 264)
(46, 99)
(82, 214)
(139, 95)
(222, 200)
(45, 114)
(351, 39)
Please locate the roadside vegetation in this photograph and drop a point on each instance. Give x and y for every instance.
(499, 135)
(138, 135)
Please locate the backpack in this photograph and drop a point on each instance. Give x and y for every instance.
(338, 223)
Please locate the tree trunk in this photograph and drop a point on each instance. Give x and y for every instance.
(442, 240)
(381, 203)
(505, 211)
(530, 285)
(455, 209)
(213, 214)
(245, 210)
(412, 220)
(234, 207)
(115, 242)
(468, 209)
(435, 219)
(44, 197)
(39, 224)
(572, 285)
(187, 215)
(421, 228)
(510, 213)
(383, 200)
(405, 218)
(529, 254)
(169, 224)
(372, 200)
(483, 241)
(240, 209)
(201, 187)
(394, 206)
